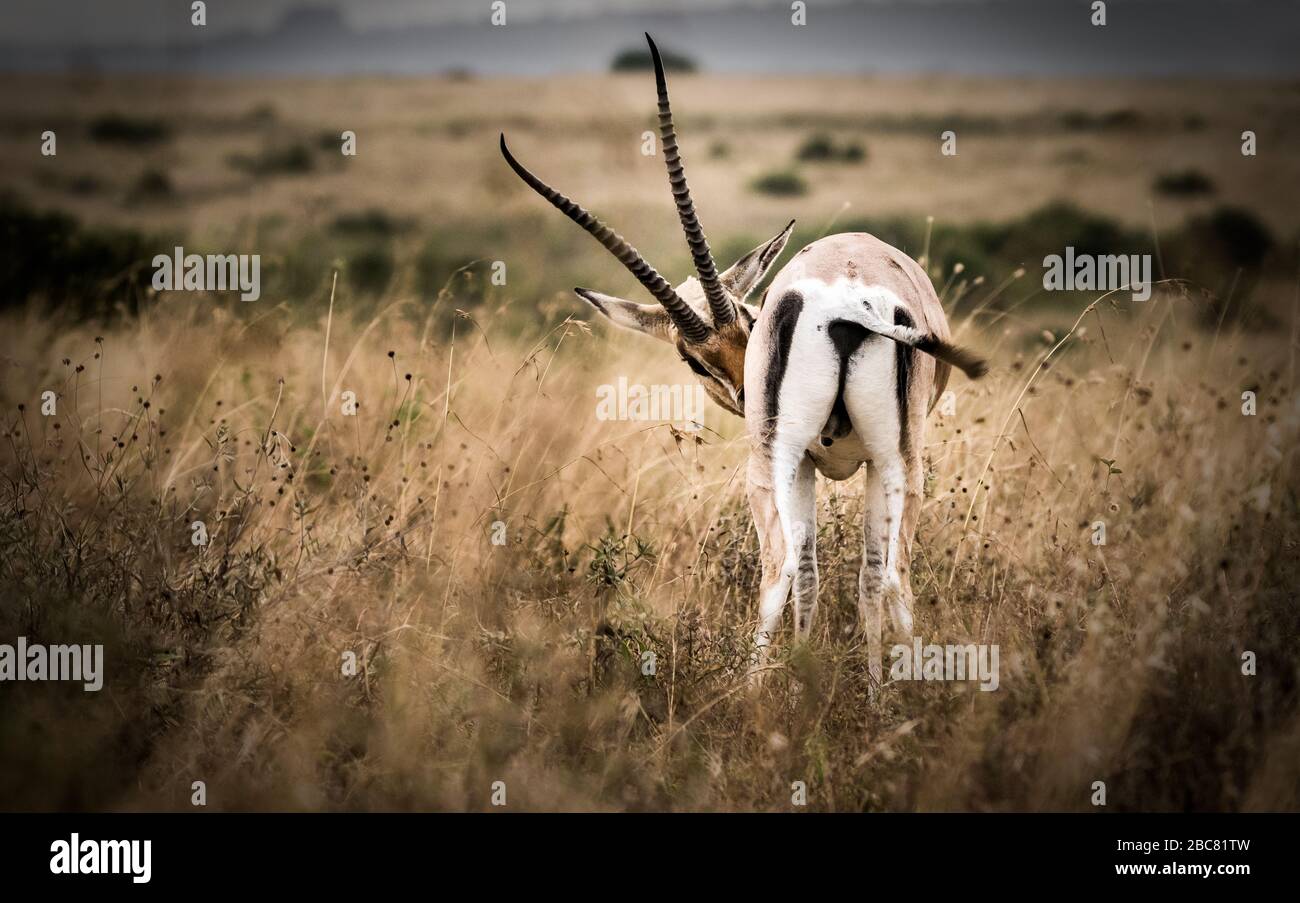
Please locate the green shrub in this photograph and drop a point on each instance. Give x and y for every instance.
(1186, 183)
(372, 222)
(370, 269)
(1227, 238)
(304, 269)
(84, 184)
(436, 264)
(262, 114)
(853, 153)
(289, 159)
(1084, 121)
(817, 147)
(151, 185)
(822, 148)
(329, 142)
(1223, 254)
(116, 128)
(780, 183)
(53, 257)
(1052, 228)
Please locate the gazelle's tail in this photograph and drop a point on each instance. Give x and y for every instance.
(963, 359)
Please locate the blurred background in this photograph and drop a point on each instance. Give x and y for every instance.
(227, 136)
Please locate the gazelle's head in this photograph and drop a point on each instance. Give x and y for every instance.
(707, 318)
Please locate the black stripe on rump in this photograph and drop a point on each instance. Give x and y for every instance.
(785, 316)
(902, 373)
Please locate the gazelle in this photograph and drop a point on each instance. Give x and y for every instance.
(834, 372)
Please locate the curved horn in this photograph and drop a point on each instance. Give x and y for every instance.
(723, 310)
(688, 322)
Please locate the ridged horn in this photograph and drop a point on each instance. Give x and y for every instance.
(688, 322)
(720, 305)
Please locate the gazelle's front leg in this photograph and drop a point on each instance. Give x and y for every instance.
(785, 517)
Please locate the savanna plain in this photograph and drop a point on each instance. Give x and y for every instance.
(464, 582)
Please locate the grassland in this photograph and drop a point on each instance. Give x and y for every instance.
(372, 535)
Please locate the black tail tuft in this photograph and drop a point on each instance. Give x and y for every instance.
(967, 362)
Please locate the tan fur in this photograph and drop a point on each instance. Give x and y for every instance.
(725, 351)
(864, 258)
(712, 330)
(771, 541)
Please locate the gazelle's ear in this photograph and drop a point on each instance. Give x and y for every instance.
(650, 319)
(749, 270)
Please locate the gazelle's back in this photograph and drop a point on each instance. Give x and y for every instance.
(863, 258)
(831, 278)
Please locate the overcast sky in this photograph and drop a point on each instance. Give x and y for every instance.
(115, 21)
(1152, 37)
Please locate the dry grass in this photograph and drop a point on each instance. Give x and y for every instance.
(520, 663)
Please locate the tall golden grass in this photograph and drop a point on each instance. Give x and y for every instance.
(372, 535)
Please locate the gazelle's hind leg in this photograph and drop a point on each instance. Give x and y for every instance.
(785, 517)
(880, 579)
(803, 504)
(887, 488)
(893, 481)
(871, 576)
(892, 504)
(913, 495)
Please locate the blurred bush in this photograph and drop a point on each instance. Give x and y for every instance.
(1228, 237)
(822, 148)
(1186, 183)
(370, 268)
(117, 128)
(52, 257)
(373, 222)
(1085, 121)
(151, 185)
(780, 183)
(288, 159)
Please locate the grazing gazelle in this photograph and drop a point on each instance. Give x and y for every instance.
(826, 374)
